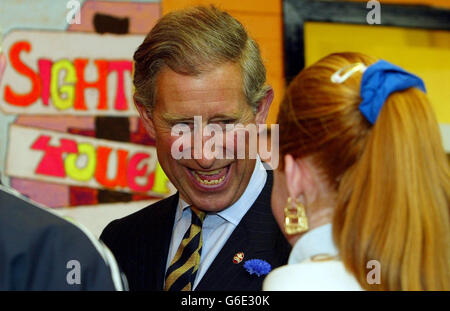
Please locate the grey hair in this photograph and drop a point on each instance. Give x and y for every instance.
(193, 41)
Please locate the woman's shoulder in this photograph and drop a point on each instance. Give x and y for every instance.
(314, 274)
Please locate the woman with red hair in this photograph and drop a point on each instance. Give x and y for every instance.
(365, 178)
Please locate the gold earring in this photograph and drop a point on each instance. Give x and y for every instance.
(295, 220)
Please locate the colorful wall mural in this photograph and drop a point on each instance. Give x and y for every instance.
(70, 137)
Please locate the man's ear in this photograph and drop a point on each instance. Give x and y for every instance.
(146, 118)
(263, 108)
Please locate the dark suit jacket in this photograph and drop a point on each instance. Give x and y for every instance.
(38, 249)
(140, 243)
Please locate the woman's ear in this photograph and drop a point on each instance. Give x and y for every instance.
(299, 178)
(146, 118)
(293, 176)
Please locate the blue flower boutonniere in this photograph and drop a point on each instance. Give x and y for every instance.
(257, 266)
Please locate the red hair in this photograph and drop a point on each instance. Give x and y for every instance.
(392, 179)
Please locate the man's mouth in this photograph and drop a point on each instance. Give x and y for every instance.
(210, 179)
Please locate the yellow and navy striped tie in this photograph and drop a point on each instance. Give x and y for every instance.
(182, 270)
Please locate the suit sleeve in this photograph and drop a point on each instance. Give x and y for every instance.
(42, 251)
(58, 258)
(98, 268)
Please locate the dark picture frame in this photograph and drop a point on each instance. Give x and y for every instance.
(297, 12)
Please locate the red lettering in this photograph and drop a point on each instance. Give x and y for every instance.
(45, 66)
(52, 162)
(120, 67)
(102, 168)
(22, 100)
(82, 84)
(134, 172)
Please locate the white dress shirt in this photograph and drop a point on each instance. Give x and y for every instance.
(313, 265)
(217, 227)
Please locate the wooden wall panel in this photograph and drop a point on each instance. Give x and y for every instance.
(263, 20)
(438, 3)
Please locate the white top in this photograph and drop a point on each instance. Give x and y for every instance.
(313, 266)
(217, 227)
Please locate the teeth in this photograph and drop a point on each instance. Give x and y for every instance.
(209, 173)
(209, 182)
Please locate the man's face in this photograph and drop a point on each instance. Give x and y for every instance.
(217, 96)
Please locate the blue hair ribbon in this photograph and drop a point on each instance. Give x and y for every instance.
(380, 80)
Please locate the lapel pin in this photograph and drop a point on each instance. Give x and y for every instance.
(238, 257)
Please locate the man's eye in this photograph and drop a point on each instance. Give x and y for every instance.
(190, 124)
(224, 122)
(228, 121)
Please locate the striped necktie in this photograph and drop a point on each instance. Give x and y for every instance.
(182, 270)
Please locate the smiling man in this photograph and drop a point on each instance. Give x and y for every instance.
(200, 63)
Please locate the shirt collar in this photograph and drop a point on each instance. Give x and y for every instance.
(235, 212)
(314, 242)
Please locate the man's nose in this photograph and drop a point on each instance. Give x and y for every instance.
(205, 163)
(203, 153)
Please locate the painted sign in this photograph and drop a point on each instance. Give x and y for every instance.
(83, 74)
(83, 161)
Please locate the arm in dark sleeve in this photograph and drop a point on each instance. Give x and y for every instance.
(41, 251)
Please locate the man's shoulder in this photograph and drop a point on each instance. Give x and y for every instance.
(32, 233)
(142, 218)
(29, 220)
(147, 213)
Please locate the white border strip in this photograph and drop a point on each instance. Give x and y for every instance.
(445, 134)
